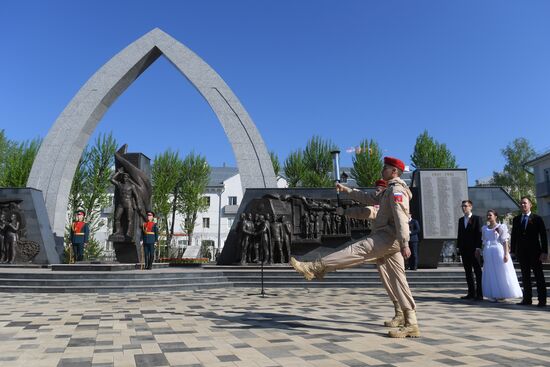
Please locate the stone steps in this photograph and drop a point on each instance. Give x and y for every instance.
(111, 289)
(170, 279)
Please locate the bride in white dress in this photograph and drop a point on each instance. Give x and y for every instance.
(499, 278)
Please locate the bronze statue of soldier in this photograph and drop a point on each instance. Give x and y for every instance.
(128, 203)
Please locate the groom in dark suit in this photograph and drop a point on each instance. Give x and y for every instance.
(468, 240)
(529, 242)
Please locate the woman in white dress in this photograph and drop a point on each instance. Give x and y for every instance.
(499, 279)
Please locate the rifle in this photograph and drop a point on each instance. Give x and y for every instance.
(71, 257)
(142, 257)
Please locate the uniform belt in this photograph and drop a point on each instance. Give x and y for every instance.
(149, 232)
(80, 234)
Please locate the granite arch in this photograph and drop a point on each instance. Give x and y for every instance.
(55, 164)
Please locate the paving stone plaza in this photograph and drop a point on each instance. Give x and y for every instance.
(237, 327)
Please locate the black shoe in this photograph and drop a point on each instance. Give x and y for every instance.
(467, 297)
(541, 305)
(479, 298)
(524, 303)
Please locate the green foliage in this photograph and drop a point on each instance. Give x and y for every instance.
(90, 187)
(194, 176)
(206, 249)
(294, 168)
(165, 174)
(514, 178)
(428, 153)
(16, 160)
(367, 163)
(312, 166)
(93, 250)
(275, 162)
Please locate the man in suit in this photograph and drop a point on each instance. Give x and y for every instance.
(414, 228)
(529, 242)
(468, 240)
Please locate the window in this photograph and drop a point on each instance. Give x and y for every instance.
(206, 222)
(232, 200)
(207, 200)
(229, 222)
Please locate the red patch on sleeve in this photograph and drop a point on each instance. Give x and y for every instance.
(398, 197)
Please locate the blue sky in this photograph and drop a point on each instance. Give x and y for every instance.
(475, 74)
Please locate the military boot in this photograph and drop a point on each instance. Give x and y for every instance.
(308, 269)
(398, 319)
(410, 330)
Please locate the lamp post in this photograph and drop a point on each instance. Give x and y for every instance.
(336, 165)
(220, 192)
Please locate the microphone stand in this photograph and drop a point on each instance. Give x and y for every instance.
(336, 173)
(262, 260)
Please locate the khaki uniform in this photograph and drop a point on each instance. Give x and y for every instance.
(370, 213)
(390, 233)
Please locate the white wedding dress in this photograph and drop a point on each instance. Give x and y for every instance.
(499, 278)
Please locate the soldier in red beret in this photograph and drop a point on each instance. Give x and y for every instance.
(149, 237)
(79, 235)
(388, 244)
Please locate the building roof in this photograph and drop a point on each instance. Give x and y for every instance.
(537, 159)
(219, 174)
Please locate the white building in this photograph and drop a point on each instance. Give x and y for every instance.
(541, 169)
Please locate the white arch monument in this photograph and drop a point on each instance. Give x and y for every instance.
(56, 162)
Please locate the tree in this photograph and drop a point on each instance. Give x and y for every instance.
(318, 163)
(194, 176)
(17, 160)
(367, 163)
(90, 190)
(311, 167)
(275, 162)
(514, 178)
(428, 153)
(294, 168)
(166, 172)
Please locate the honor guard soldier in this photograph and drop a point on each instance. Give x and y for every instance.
(388, 244)
(149, 238)
(80, 233)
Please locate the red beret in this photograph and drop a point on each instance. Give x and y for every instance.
(77, 212)
(397, 163)
(381, 183)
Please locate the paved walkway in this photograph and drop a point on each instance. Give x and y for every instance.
(230, 327)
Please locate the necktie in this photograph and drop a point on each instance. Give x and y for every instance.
(524, 221)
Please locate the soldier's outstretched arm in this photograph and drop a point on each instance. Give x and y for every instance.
(368, 212)
(363, 197)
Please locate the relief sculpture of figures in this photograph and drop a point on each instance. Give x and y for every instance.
(305, 226)
(3, 252)
(10, 238)
(14, 245)
(263, 232)
(247, 236)
(326, 223)
(277, 240)
(287, 238)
